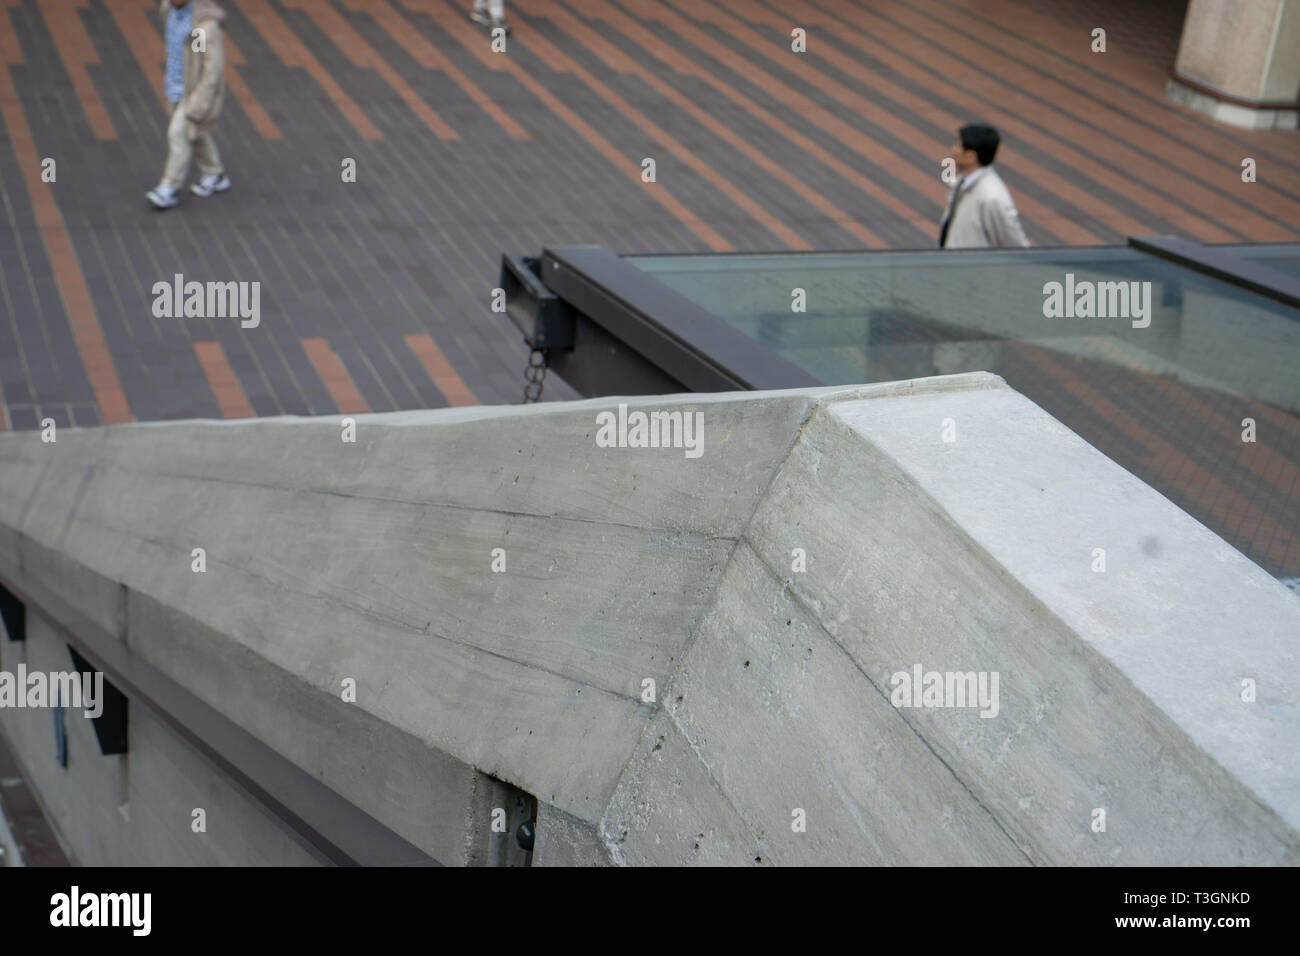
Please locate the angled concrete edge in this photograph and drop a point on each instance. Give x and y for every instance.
(501, 591)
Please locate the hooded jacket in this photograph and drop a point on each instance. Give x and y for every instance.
(205, 72)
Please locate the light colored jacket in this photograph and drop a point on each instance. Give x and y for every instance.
(205, 73)
(985, 215)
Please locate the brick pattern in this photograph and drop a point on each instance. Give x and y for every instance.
(336, 378)
(375, 294)
(223, 381)
(440, 370)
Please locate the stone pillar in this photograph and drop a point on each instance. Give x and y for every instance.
(1239, 62)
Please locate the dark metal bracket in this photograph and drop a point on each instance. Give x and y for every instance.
(545, 319)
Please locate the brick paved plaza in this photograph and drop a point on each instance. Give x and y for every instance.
(375, 293)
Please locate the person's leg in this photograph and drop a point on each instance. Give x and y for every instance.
(212, 178)
(489, 11)
(206, 156)
(179, 151)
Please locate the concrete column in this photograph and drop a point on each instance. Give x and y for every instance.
(1239, 62)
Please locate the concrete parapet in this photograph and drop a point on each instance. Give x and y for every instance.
(773, 588)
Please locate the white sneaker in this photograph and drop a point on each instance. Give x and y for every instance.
(163, 197)
(211, 183)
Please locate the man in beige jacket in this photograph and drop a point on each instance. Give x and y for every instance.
(980, 210)
(195, 83)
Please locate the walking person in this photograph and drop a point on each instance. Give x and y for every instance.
(195, 83)
(490, 13)
(980, 213)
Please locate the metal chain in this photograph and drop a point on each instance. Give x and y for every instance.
(535, 376)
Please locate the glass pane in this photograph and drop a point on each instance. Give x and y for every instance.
(1158, 372)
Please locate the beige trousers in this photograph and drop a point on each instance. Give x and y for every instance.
(180, 149)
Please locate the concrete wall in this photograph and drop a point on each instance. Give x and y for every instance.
(133, 809)
(1247, 51)
(972, 556)
(373, 561)
(1246, 48)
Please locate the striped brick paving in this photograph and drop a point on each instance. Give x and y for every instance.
(375, 293)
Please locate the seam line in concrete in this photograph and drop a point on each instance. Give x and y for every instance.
(454, 507)
(689, 644)
(814, 616)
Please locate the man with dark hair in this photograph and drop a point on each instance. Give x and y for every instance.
(980, 211)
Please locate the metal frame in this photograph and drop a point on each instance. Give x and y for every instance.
(666, 329)
(634, 332)
(546, 320)
(1244, 273)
